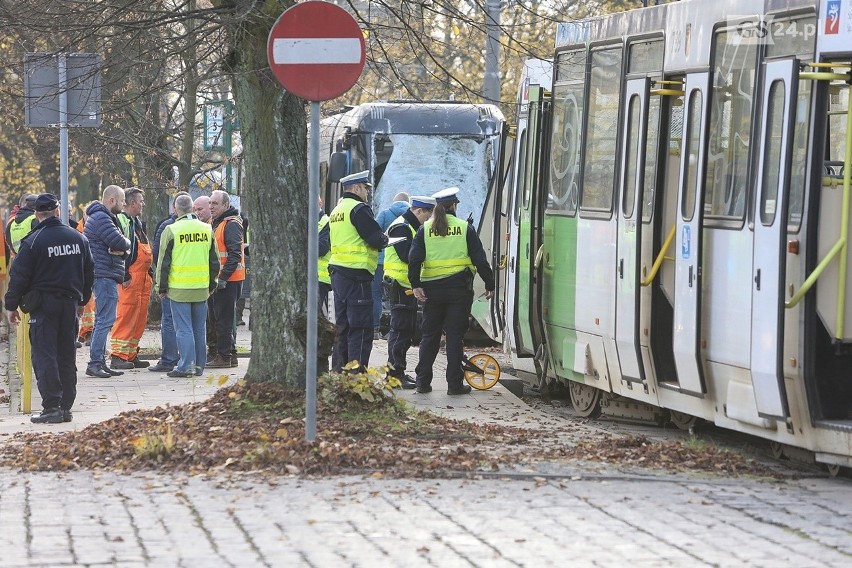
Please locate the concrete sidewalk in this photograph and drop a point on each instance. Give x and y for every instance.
(101, 399)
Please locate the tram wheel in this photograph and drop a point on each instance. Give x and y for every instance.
(490, 372)
(777, 450)
(586, 400)
(682, 420)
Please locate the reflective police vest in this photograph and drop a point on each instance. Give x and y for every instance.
(445, 254)
(240, 273)
(394, 267)
(17, 231)
(322, 262)
(348, 249)
(190, 268)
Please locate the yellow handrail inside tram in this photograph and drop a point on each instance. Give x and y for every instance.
(839, 247)
(667, 92)
(660, 257)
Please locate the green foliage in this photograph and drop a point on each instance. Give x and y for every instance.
(156, 445)
(372, 387)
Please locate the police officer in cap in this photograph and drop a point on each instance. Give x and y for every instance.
(444, 256)
(355, 242)
(51, 279)
(403, 319)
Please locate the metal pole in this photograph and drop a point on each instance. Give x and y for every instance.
(63, 137)
(491, 85)
(313, 283)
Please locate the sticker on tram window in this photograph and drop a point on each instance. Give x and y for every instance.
(685, 245)
(832, 17)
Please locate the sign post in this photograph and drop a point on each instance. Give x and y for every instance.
(316, 51)
(62, 90)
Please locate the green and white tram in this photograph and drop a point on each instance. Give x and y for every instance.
(680, 216)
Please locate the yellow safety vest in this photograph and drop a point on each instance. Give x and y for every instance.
(17, 231)
(348, 249)
(395, 268)
(322, 262)
(190, 267)
(445, 254)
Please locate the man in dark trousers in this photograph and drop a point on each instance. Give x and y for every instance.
(52, 279)
(228, 233)
(355, 242)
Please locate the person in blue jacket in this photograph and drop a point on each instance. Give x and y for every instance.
(52, 279)
(109, 249)
(384, 219)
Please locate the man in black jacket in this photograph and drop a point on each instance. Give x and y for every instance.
(52, 278)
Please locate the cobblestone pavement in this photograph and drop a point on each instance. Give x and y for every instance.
(570, 515)
(86, 519)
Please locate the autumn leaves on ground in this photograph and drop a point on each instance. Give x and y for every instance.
(361, 429)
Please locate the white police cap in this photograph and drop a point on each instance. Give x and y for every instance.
(423, 202)
(360, 177)
(446, 195)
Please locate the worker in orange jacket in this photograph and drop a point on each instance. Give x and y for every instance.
(135, 292)
(87, 318)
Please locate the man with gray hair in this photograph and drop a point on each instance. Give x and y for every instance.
(186, 274)
(228, 232)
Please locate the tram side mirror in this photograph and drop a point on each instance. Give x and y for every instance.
(336, 167)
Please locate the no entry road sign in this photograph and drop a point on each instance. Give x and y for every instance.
(316, 50)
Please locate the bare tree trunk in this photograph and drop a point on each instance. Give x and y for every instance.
(274, 131)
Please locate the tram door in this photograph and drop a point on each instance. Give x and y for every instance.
(770, 231)
(527, 321)
(688, 245)
(628, 289)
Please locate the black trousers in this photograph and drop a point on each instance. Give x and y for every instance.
(53, 333)
(353, 316)
(223, 304)
(402, 326)
(322, 299)
(446, 309)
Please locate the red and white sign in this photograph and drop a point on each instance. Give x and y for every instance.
(316, 50)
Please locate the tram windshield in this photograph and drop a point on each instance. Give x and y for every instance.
(422, 165)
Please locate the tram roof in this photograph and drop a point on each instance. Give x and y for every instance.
(430, 117)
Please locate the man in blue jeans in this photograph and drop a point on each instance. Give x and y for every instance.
(109, 249)
(187, 272)
(169, 355)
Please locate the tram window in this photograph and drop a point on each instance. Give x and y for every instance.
(599, 161)
(691, 149)
(520, 185)
(645, 57)
(634, 116)
(794, 36)
(652, 137)
(730, 126)
(566, 134)
(772, 156)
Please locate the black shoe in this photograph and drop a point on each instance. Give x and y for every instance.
(408, 382)
(119, 363)
(235, 362)
(140, 364)
(179, 374)
(66, 415)
(99, 371)
(48, 416)
(241, 322)
(423, 389)
(77, 344)
(113, 372)
(161, 368)
(462, 389)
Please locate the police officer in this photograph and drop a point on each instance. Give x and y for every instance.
(23, 222)
(444, 256)
(51, 278)
(355, 242)
(403, 317)
(324, 254)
